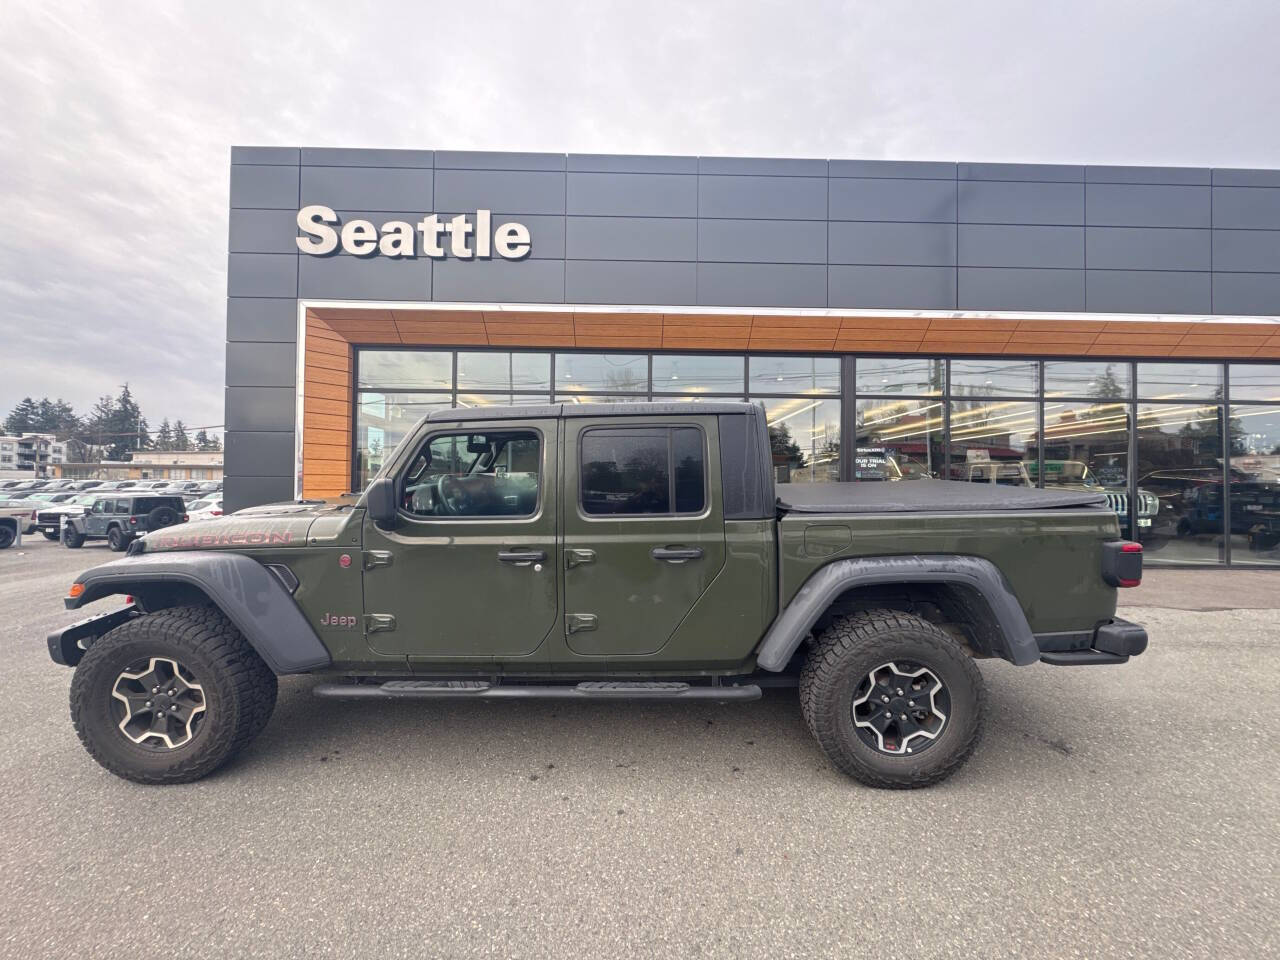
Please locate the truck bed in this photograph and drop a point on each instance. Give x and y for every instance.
(926, 496)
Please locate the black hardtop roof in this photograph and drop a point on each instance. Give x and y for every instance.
(656, 408)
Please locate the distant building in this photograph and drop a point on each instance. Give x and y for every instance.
(151, 465)
(33, 452)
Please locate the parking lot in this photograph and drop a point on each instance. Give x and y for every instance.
(1126, 812)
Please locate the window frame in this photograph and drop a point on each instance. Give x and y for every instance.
(403, 475)
(669, 427)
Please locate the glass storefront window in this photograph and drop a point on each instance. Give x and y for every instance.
(1255, 381)
(697, 374)
(1255, 483)
(504, 371)
(804, 435)
(998, 377)
(991, 441)
(502, 399)
(1086, 447)
(1103, 380)
(912, 376)
(382, 420)
(794, 374)
(1180, 463)
(602, 373)
(405, 370)
(898, 440)
(1179, 381)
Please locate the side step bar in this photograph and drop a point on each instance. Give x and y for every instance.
(484, 690)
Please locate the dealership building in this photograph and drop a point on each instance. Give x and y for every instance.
(1116, 328)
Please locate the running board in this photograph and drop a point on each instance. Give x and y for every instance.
(484, 690)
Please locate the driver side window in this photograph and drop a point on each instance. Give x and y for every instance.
(492, 474)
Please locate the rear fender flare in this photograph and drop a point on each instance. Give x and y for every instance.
(245, 591)
(1014, 640)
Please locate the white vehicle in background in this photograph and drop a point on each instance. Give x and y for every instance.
(17, 517)
(205, 509)
(49, 516)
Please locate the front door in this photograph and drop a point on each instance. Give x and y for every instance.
(643, 535)
(470, 572)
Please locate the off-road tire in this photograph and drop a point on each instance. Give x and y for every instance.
(72, 539)
(117, 540)
(845, 653)
(161, 517)
(50, 535)
(8, 535)
(239, 692)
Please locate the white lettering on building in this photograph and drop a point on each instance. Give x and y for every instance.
(464, 236)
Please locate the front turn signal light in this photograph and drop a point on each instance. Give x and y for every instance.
(76, 590)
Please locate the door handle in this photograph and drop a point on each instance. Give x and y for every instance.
(522, 558)
(676, 554)
(576, 556)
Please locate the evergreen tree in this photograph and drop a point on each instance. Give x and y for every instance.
(1107, 386)
(181, 441)
(164, 436)
(23, 417)
(117, 424)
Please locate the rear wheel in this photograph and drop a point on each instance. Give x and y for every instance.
(169, 697)
(117, 539)
(892, 699)
(8, 534)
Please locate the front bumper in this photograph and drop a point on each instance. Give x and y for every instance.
(1112, 642)
(67, 646)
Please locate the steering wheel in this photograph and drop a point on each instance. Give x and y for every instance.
(450, 494)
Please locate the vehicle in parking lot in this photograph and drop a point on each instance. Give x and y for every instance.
(49, 517)
(121, 517)
(205, 509)
(601, 551)
(16, 517)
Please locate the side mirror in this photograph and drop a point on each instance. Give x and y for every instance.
(380, 501)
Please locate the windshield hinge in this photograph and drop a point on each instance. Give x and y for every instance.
(378, 558)
(378, 622)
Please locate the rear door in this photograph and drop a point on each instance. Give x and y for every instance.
(643, 533)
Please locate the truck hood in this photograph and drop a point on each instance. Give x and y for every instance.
(274, 526)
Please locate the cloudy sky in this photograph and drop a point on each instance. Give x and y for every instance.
(116, 121)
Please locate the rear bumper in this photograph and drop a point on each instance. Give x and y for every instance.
(1112, 642)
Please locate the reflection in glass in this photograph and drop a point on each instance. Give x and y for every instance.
(382, 420)
(504, 371)
(898, 440)
(697, 374)
(1097, 379)
(918, 376)
(1255, 381)
(600, 372)
(804, 435)
(991, 441)
(997, 377)
(795, 374)
(405, 369)
(502, 399)
(1179, 381)
(1180, 462)
(1255, 483)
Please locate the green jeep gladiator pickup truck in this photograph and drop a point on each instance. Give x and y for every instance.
(601, 552)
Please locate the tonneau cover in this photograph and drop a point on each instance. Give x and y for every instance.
(926, 496)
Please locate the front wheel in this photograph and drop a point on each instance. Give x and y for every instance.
(71, 538)
(170, 696)
(8, 535)
(892, 699)
(50, 535)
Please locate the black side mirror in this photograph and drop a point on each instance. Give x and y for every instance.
(380, 501)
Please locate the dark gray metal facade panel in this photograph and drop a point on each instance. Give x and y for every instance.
(270, 187)
(892, 169)
(632, 195)
(1246, 250)
(1254, 208)
(345, 157)
(1148, 291)
(262, 231)
(241, 491)
(762, 241)
(911, 244)
(630, 238)
(368, 188)
(610, 163)
(1146, 205)
(259, 408)
(497, 160)
(1148, 248)
(261, 364)
(262, 274)
(345, 277)
(519, 191)
(269, 156)
(1246, 178)
(262, 320)
(915, 288)
(630, 281)
(270, 453)
(982, 201)
(1039, 172)
(1186, 175)
(920, 201)
(762, 285)
(1246, 293)
(763, 166)
(496, 281)
(763, 197)
(982, 288)
(1004, 245)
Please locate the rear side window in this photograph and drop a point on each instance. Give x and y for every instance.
(643, 471)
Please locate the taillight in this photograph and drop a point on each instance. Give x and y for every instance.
(134, 521)
(185, 517)
(1122, 563)
(216, 513)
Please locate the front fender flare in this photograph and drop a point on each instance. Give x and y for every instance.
(1015, 643)
(248, 594)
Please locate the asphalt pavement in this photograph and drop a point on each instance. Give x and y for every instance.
(1110, 812)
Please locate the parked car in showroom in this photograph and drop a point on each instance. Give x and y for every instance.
(119, 519)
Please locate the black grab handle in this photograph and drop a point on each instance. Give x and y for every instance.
(522, 556)
(676, 554)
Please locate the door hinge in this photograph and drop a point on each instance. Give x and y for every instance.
(574, 557)
(378, 622)
(580, 622)
(378, 558)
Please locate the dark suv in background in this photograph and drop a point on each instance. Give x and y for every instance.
(118, 519)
